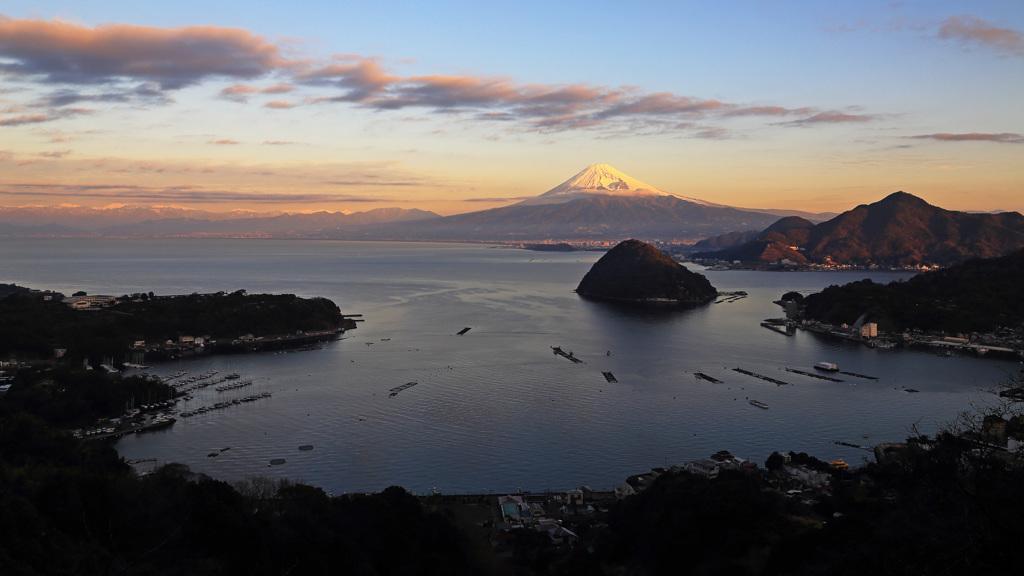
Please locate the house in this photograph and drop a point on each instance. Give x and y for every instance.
(703, 467)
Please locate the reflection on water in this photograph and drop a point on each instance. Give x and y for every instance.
(495, 409)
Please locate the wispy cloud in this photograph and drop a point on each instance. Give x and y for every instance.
(39, 118)
(182, 193)
(66, 53)
(370, 183)
(241, 92)
(224, 141)
(119, 63)
(969, 30)
(540, 107)
(55, 154)
(1002, 138)
(832, 117)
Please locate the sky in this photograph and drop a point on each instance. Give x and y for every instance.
(456, 106)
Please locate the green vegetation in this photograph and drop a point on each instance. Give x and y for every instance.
(31, 327)
(978, 295)
(948, 505)
(635, 271)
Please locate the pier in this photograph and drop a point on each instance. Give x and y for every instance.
(463, 331)
(703, 376)
(762, 377)
(610, 377)
(813, 375)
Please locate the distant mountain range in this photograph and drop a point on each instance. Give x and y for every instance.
(156, 221)
(599, 203)
(901, 229)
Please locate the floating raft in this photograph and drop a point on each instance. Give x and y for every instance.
(703, 376)
(609, 377)
(762, 377)
(855, 375)
(463, 331)
(394, 391)
(567, 355)
(812, 375)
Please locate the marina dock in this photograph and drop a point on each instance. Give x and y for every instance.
(609, 377)
(703, 376)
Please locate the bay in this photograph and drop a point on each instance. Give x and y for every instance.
(495, 409)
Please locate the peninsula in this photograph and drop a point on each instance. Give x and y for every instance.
(80, 328)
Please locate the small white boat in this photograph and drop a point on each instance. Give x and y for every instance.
(827, 366)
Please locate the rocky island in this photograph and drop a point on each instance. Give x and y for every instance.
(634, 271)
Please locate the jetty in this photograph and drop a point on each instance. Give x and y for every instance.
(609, 377)
(463, 331)
(761, 376)
(703, 376)
(813, 375)
(567, 355)
(778, 328)
(394, 391)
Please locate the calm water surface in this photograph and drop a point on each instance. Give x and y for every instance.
(495, 409)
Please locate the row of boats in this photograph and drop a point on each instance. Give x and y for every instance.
(226, 404)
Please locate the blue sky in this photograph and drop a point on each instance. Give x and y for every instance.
(459, 106)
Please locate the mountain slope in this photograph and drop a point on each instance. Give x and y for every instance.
(601, 180)
(596, 217)
(901, 229)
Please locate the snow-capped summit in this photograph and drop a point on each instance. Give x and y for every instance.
(601, 180)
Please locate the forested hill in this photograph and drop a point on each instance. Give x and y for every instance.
(32, 327)
(978, 295)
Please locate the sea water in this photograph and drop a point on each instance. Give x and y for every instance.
(495, 409)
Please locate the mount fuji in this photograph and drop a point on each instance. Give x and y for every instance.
(599, 203)
(602, 180)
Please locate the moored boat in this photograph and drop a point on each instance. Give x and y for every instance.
(827, 366)
(759, 404)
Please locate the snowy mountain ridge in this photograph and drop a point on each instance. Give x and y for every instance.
(603, 180)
